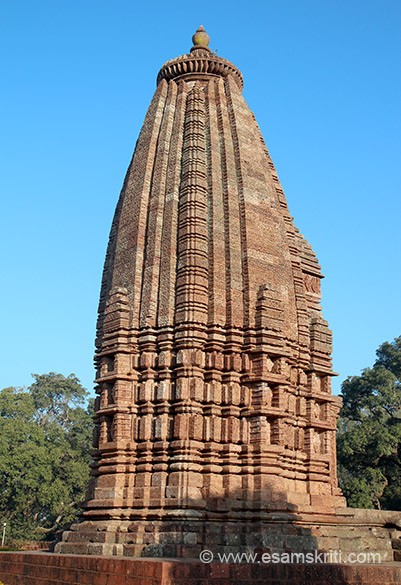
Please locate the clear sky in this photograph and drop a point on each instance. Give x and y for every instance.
(323, 79)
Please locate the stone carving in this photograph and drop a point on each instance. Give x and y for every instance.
(212, 355)
(312, 284)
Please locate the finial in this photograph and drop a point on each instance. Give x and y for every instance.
(199, 64)
(201, 38)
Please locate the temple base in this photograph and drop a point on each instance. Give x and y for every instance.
(348, 531)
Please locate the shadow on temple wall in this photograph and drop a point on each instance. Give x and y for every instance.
(245, 522)
(260, 529)
(257, 527)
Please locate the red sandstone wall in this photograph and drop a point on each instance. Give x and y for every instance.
(51, 569)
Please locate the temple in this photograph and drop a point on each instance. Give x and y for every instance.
(215, 423)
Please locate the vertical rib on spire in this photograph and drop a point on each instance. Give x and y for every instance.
(192, 276)
(168, 258)
(150, 281)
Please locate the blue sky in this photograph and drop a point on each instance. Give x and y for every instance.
(323, 79)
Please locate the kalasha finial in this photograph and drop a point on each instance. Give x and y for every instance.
(201, 38)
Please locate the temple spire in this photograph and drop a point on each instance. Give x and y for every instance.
(214, 411)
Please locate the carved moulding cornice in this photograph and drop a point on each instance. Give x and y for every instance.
(199, 65)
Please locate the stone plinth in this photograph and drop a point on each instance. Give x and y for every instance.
(355, 531)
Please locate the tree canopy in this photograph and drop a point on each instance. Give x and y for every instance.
(369, 437)
(45, 435)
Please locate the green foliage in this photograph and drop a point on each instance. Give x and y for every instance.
(369, 435)
(44, 455)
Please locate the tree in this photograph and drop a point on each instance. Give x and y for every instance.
(44, 455)
(369, 435)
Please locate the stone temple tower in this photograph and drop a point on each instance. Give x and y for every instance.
(214, 422)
